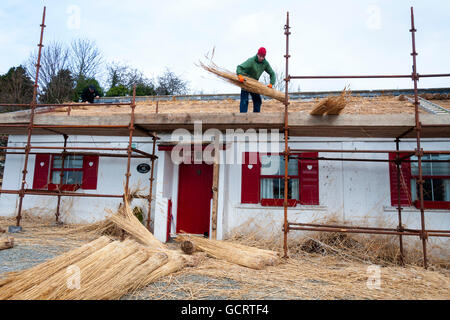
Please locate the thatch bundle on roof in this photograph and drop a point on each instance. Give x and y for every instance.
(331, 105)
(249, 84)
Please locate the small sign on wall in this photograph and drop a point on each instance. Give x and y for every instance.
(143, 168)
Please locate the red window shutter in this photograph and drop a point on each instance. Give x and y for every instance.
(251, 170)
(41, 167)
(90, 171)
(405, 181)
(309, 179)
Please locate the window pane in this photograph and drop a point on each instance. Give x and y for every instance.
(273, 165)
(70, 177)
(427, 190)
(70, 162)
(432, 168)
(414, 193)
(55, 177)
(73, 177)
(441, 168)
(274, 188)
(73, 162)
(57, 162)
(441, 189)
(292, 167)
(426, 166)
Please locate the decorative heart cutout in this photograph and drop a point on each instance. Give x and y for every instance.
(91, 164)
(42, 164)
(309, 167)
(250, 166)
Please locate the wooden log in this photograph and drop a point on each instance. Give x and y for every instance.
(6, 243)
(188, 247)
(215, 189)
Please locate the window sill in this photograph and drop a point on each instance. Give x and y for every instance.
(412, 209)
(258, 206)
(442, 205)
(65, 187)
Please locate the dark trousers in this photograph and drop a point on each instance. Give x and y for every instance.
(256, 98)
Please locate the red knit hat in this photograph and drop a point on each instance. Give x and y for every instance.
(262, 52)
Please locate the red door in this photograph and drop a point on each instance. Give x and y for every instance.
(194, 198)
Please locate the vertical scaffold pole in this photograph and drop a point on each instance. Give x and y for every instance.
(286, 136)
(419, 151)
(31, 123)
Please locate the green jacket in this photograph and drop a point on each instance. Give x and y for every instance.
(253, 69)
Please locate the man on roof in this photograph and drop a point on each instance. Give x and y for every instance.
(89, 94)
(253, 68)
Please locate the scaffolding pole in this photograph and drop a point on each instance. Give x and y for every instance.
(400, 156)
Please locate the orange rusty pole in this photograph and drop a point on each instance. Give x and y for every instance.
(419, 151)
(30, 125)
(286, 135)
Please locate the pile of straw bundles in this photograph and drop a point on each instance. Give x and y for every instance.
(331, 105)
(107, 268)
(235, 253)
(101, 269)
(249, 84)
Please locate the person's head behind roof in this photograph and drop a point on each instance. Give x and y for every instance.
(91, 87)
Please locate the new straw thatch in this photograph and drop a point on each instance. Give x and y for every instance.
(331, 105)
(249, 84)
(236, 253)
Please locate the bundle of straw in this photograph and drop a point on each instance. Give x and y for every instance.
(332, 105)
(249, 84)
(18, 282)
(126, 220)
(123, 278)
(236, 253)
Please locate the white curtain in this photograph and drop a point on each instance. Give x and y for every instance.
(267, 186)
(447, 190)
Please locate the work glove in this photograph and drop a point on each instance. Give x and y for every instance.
(241, 78)
(270, 85)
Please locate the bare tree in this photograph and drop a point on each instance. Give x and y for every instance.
(169, 84)
(122, 78)
(85, 59)
(55, 57)
(60, 89)
(280, 84)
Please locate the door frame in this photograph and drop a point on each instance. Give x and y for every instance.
(178, 188)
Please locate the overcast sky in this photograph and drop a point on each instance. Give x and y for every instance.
(328, 37)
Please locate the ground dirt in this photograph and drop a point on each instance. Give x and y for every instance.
(302, 276)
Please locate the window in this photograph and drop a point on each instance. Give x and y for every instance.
(78, 172)
(272, 177)
(263, 179)
(72, 172)
(436, 176)
(436, 187)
